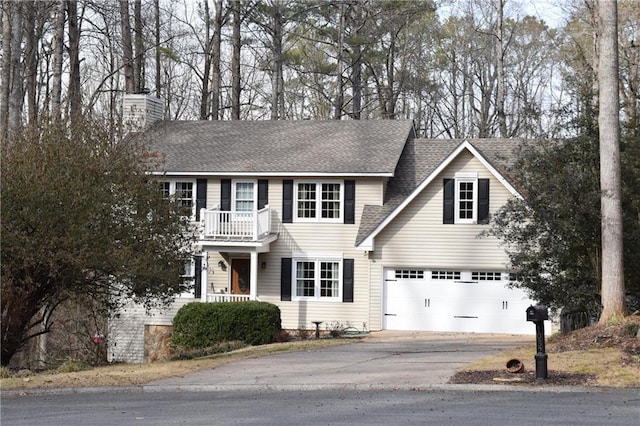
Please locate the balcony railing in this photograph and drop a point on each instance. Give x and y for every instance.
(235, 225)
(226, 297)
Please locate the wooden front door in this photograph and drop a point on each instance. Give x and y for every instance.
(240, 276)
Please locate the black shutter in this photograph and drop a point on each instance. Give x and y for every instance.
(201, 196)
(225, 195)
(263, 193)
(349, 201)
(287, 201)
(347, 280)
(449, 192)
(197, 289)
(285, 279)
(483, 200)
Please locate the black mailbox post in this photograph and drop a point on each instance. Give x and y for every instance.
(538, 314)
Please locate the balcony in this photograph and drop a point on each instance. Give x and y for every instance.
(218, 225)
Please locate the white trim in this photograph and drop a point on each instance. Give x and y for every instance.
(332, 175)
(234, 182)
(368, 243)
(318, 201)
(316, 260)
(474, 199)
(194, 189)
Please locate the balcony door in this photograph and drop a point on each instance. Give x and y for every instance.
(240, 276)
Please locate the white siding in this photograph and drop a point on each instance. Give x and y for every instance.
(318, 238)
(417, 236)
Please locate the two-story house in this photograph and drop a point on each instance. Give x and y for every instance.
(356, 223)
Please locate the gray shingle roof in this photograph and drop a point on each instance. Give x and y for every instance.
(280, 147)
(420, 158)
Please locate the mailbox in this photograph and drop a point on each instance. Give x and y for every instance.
(537, 313)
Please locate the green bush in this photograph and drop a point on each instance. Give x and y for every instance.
(201, 325)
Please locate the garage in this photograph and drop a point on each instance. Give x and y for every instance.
(453, 301)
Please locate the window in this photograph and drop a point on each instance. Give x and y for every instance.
(445, 275)
(486, 276)
(466, 199)
(318, 201)
(409, 274)
(465, 206)
(182, 192)
(318, 279)
(244, 196)
(189, 278)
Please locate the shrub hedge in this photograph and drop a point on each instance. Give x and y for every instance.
(200, 325)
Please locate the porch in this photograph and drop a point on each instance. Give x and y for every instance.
(235, 239)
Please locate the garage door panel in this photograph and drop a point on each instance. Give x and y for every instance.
(454, 306)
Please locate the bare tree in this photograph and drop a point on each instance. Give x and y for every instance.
(127, 49)
(138, 60)
(75, 89)
(58, 51)
(216, 46)
(235, 60)
(610, 179)
(500, 84)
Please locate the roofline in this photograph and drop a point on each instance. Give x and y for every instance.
(368, 243)
(273, 174)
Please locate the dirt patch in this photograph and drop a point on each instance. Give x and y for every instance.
(593, 356)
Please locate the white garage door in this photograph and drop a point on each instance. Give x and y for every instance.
(455, 301)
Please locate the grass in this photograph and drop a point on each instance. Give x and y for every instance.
(609, 356)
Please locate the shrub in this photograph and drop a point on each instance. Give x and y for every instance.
(201, 325)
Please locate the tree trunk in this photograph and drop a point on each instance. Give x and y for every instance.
(235, 61)
(7, 10)
(31, 64)
(356, 65)
(58, 46)
(215, 62)
(139, 47)
(611, 194)
(339, 99)
(75, 93)
(127, 50)
(205, 96)
(156, 5)
(277, 81)
(16, 96)
(500, 94)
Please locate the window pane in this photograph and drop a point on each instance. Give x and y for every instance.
(329, 279)
(184, 194)
(306, 200)
(165, 189)
(244, 196)
(331, 200)
(465, 198)
(305, 279)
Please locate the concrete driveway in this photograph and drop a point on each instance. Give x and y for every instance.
(382, 360)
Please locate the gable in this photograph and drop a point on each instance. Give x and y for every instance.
(423, 157)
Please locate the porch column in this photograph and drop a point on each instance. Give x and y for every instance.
(204, 287)
(253, 281)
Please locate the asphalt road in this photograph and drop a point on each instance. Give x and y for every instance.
(327, 407)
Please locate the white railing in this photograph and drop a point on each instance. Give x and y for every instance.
(226, 297)
(218, 224)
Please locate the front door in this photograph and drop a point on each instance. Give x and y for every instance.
(240, 276)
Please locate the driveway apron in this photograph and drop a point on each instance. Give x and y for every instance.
(383, 360)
